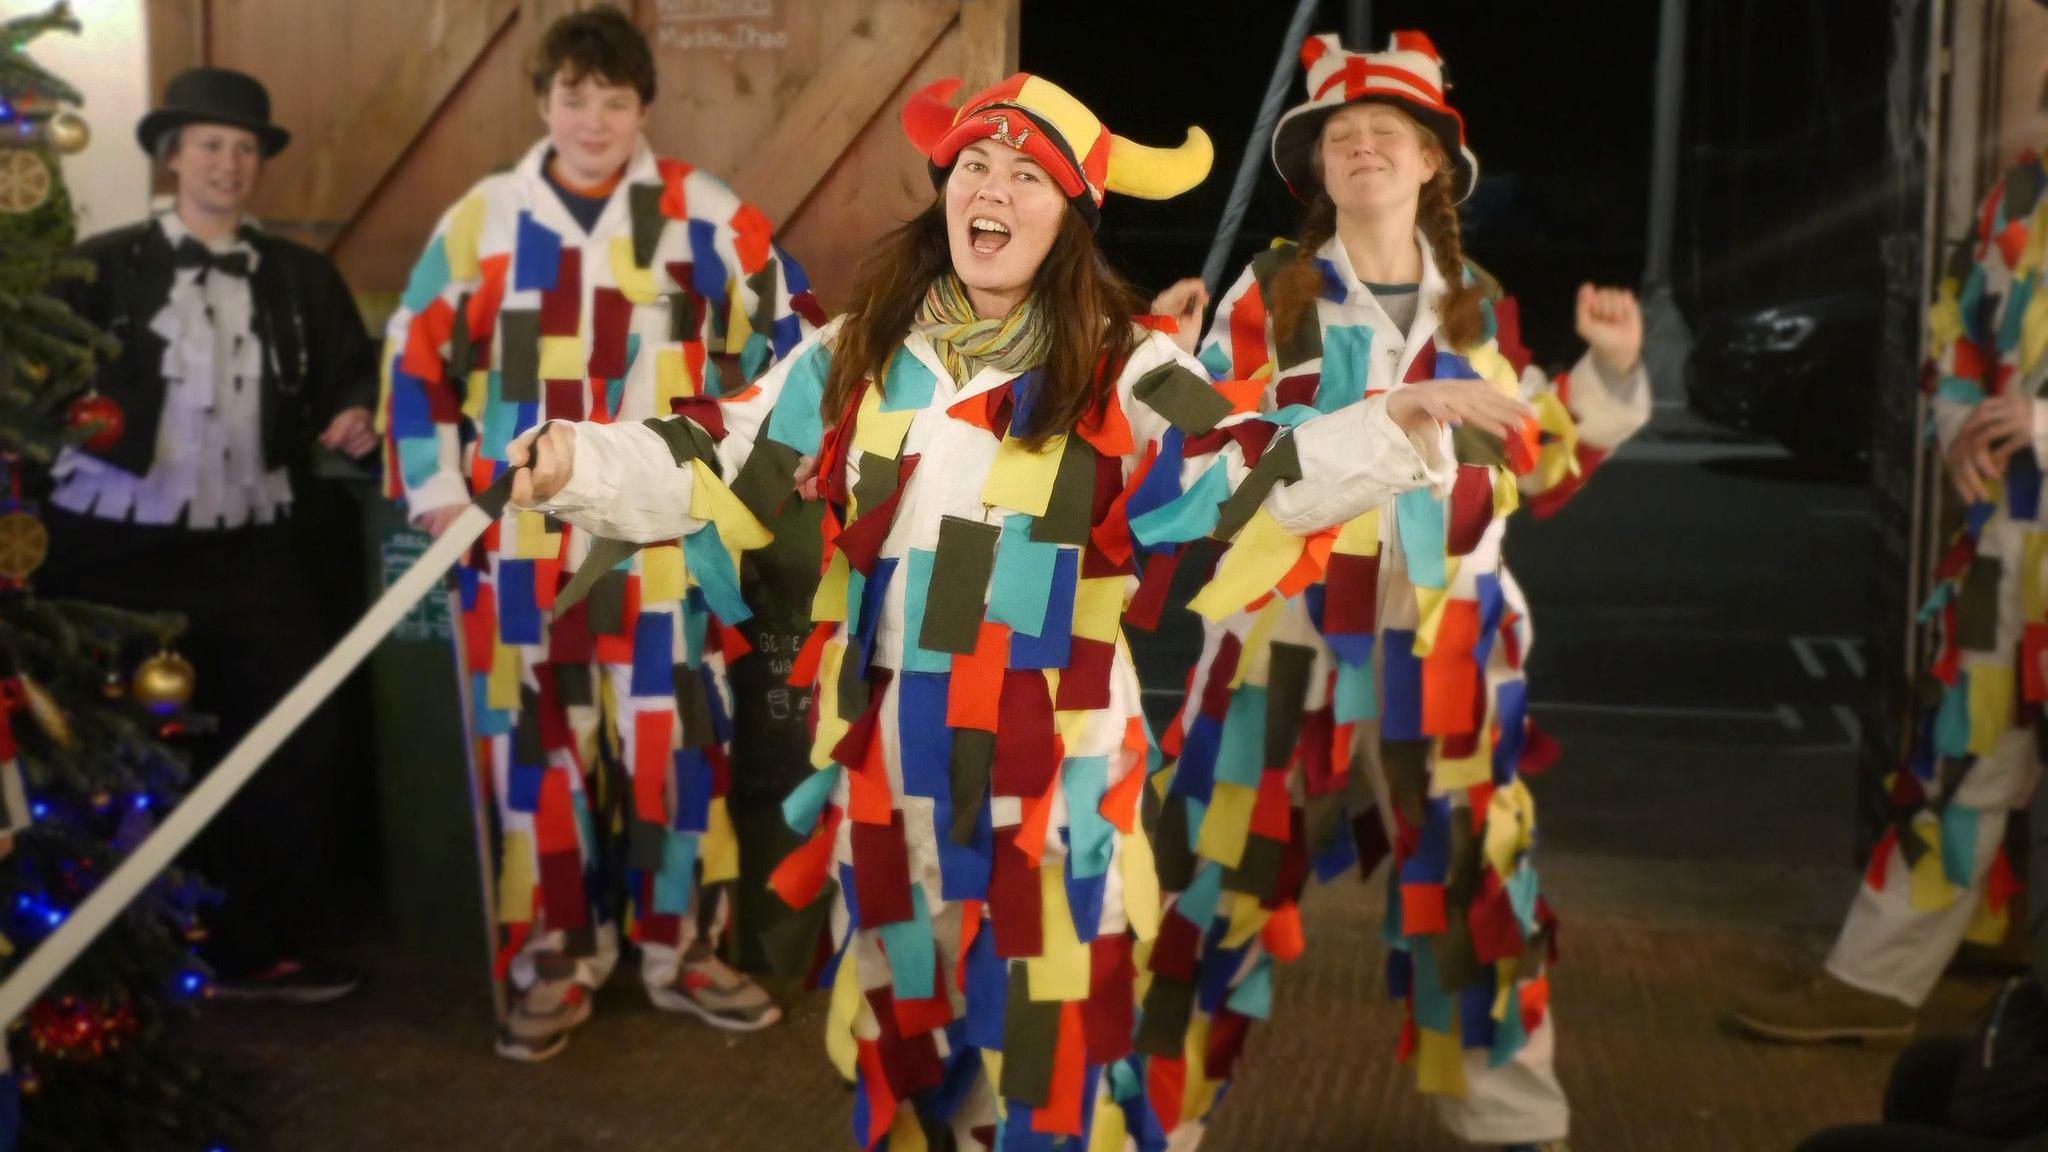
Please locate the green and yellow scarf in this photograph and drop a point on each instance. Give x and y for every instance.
(966, 343)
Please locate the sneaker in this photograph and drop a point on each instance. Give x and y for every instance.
(711, 991)
(292, 981)
(530, 1034)
(1824, 1009)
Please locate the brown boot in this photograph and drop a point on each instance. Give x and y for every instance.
(1824, 1009)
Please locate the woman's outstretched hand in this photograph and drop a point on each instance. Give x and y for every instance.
(1474, 403)
(551, 452)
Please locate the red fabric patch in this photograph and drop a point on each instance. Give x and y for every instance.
(1248, 333)
(1471, 508)
(1422, 910)
(752, 238)
(973, 698)
(653, 733)
(801, 875)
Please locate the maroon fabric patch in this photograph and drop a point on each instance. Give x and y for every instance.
(611, 315)
(1027, 754)
(703, 411)
(1298, 389)
(1471, 508)
(1216, 691)
(1226, 1042)
(910, 1064)
(862, 539)
(881, 872)
(564, 399)
(1174, 952)
(1014, 900)
(561, 307)
(1153, 588)
(569, 633)
(1496, 934)
(1313, 747)
(1084, 684)
(1424, 367)
(1351, 595)
(1110, 1012)
(563, 904)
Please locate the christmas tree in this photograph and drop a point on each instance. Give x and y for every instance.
(86, 748)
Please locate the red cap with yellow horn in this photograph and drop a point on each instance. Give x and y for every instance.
(1045, 122)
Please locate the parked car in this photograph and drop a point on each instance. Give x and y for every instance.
(1802, 373)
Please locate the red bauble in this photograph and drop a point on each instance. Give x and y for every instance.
(93, 410)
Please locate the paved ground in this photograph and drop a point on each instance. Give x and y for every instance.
(1694, 615)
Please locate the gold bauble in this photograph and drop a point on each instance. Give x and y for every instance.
(68, 133)
(24, 543)
(24, 180)
(163, 683)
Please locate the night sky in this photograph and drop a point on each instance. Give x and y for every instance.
(1781, 149)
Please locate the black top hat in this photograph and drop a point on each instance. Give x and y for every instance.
(214, 96)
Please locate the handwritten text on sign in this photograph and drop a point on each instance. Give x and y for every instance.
(720, 26)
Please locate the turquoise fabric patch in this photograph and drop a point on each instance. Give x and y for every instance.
(1347, 353)
(1188, 516)
(428, 278)
(806, 802)
(1091, 840)
(1241, 750)
(1022, 586)
(917, 658)
(797, 421)
(908, 385)
(908, 944)
(1420, 516)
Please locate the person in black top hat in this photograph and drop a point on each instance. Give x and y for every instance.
(240, 351)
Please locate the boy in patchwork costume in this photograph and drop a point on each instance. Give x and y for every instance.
(1381, 709)
(595, 281)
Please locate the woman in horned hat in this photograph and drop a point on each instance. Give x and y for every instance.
(981, 422)
(1381, 711)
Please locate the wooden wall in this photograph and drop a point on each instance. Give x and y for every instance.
(397, 106)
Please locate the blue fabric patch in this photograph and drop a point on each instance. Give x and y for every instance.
(654, 638)
(1194, 774)
(1084, 904)
(694, 780)
(1475, 1013)
(1510, 710)
(926, 743)
(2022, 486)
(1051, 648)
(537, 256)
(1432, 858)
(964, 868)
(707, 267)
(518, 614)
(522, 787)
(987, 992)
(1337, 857)
(1162, 483)
(874, 592)
(1402, 671)
(1333, 288)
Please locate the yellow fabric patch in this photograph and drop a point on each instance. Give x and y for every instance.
(841, 1015)
(1255, 562)
(517, 877)
(877, 432)
(1449, 777)
(1991, 692)
(501, 688)
(1246, 919)
(2034, 578)
(661, 575)
(1198, 1098)
(531, 538)
(1060, 970)
(1020, 479)
(1439, 1064)
(1945, 318)
(2034, 329)
(1930, 889)
(1429, 608)
(905, 1133)
(1099, 608)
(831, 726)
(562, 358)
(1108, 1133)
(718, 849)
(737, 326)
(635, 283)
(1507, 494)
(829, 601)
(1360, 536)
(1987, 927)
(712, 502)
(1257, 655)
(671, 379)
(458, 243)
(1509, 817)
(1226, 824)
(474, 397)
(1141, 885)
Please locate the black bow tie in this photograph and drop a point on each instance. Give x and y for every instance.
(192, 254)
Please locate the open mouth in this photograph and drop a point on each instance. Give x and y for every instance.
(987, 237)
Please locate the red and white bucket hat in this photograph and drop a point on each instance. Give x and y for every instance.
(1409, 75)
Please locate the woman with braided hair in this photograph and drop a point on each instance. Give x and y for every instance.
(1379, 711)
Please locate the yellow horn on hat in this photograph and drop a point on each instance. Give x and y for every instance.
(1158, 173)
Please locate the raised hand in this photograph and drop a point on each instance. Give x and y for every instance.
(1474, 403)
(1611, 324)
(552, 452)
(1185, 301)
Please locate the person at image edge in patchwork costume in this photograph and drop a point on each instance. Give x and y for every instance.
(1940, 874)
(1002, 451)
(1381, 710)
(594, 281)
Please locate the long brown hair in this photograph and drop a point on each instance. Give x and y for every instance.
(1291, 296)
(1086, 304)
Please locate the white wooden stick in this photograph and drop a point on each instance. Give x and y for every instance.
(199, 807)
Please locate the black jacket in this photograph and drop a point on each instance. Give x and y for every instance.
(317, 358)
